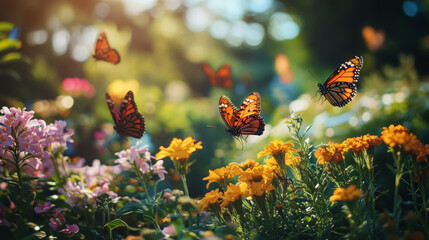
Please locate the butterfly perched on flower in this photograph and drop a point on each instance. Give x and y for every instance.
(103, 50)
(221, 78)
(128, 122)
(245, 121)
(340, 88)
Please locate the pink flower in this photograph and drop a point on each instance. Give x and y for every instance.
(169, 231)
(78, 196)
(159, 169)
(57, 221)
(70, 229)
(78, 86)
(43, 208)
(131, 155)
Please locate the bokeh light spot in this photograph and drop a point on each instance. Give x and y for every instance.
(60, 41)
(410, 8)
(219, 29)
(135, 7)
(254, 34)
(172, 4)
(353, 121)
(37, 37)
(101, 9)
(197, 19)
(282, 27)
(329, 132)
(260, 6)
(80, 52)
(366, 116)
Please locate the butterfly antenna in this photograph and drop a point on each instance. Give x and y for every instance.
(314, 76)
(212, 126)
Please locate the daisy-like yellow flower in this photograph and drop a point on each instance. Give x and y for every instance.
(223, 175)
(277, 149)
(257, 174)
(349, 194)
(394, 136)
(334, 153)
(360, 144)
(179, 150)
(259, 188)
(233, 195)
(211, 200)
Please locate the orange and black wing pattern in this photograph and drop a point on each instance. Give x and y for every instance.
(103, 50)
(245, 121)
(340, 88)
(129, 122)
(221, 78)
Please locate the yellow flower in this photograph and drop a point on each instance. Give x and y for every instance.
(332, 153)
(223, 175)
(249, 163)
(233, 194)
(257, 174)
(179, 150)
(360, 144)
(259, 188)
(291, 160)
(271, 163)
(349, 194)
(394, 136)
(211, 200)
(277, 149)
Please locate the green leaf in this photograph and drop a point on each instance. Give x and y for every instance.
(120, 223)
(6, 26)
(9, 44)
(12, 73)
(10, 57)
(36, 236)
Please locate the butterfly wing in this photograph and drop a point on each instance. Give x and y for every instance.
(210, 73)
(228, 111)
(250, 125)
(103, 50)
(115, 114)
(131, 122)
(250, 106)
(340, 88)
(223, 76)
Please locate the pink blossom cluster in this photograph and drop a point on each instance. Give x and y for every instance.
(58, 221)
(32, 139)
(78, 86)
(140, 157)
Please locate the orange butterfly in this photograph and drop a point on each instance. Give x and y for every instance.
(221, 78)
(128, 122)
(103, 50)
(245, 121)
(340, 88)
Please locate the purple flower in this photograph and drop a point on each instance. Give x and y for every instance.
(43, 208)
(131, 155)
(159, 169)
(78, 196)
(70, 229)
(57, 221)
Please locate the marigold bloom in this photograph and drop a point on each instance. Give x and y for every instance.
(423, 153)
(257, 174)
(349, 194)
(179, 150)
(211, 200)
(332, 153)
(360, 144)
(399, 136)
(249, 163)
(223, 175)
(259, 188)
(233, 194)
(277, 149)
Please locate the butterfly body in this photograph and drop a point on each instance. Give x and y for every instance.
(220, 78)
(340, 88)
(128, 122)
(244, 121)
(104, 52)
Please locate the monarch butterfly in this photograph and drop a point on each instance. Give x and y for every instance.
(128, 122)
(221, 78)
(103, 50)
(340, 88)
(245, 121)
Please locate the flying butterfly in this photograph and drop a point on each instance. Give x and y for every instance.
(245, 121)
(103, 50)
(221, 78)
(128, 122)
(340, 88)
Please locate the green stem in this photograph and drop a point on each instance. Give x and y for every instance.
(398, 175)
(142, 179)
(370, 166)
(185, 186)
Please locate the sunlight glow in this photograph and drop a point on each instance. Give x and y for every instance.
(60, 41)
(259, 6)
(135, 7)
(197, 19)
(219, 29)
(236, 33)
(37, 37)
(254, 34)
(282, 27)
(172, 4)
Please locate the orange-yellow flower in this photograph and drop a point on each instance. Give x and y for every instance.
(211, 200)
(394, 136)
(349, 194)
(179, 150)
(259, 188)
(232, 195)
(223, 175)
(332, 153)
(257, 174)
(277, 149)
(249, 163)
(422, 153)
(360, 144)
